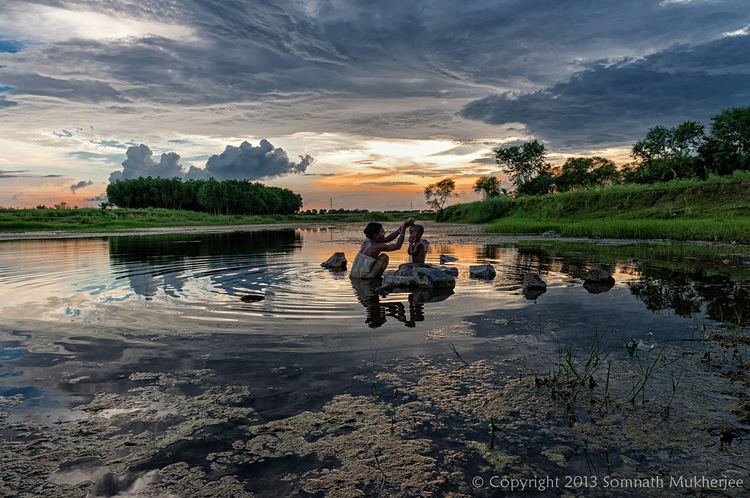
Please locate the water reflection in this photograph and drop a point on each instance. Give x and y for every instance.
(227, 259)
(377, 308)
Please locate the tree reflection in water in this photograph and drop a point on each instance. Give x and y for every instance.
(409, 313)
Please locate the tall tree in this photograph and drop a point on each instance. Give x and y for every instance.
(488, 186)
(727, 147)
(523, 162)
(436, 194)
(581, 172)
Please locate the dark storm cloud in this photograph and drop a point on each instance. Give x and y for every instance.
(273, 55)
(615, 103)
(250, 162)
(69, 89)
(80, 185)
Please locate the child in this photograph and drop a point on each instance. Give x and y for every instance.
(417, 248)
(370, 261)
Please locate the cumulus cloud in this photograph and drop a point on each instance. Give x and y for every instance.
(251, 163)
(246, 162)
(140, 162)
(80, 185)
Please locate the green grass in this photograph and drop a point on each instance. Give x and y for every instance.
(716, 210)
(91, 219)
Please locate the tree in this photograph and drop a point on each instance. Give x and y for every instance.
(727, 147)
(436, 194)
(668, 153)
(488, 186)
(582, 172)
(523, 162)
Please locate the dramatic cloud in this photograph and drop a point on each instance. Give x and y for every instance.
(615, 103)
(140, 163)
(80, 185)
(251, 163)
(329, 77)
(245, 162)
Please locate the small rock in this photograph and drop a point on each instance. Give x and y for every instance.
(444, 258)
(533, 286)
(533, 281)
(252, 298)
(725, 261)
(598, 276)
(453, 272)
(597, 281)
(549, 233)
(482, 271)
(335, 262)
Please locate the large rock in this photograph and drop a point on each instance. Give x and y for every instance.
(424, 277)
(482, 271)
(335, 262)
(447, 259)
(453, 272)
(598, 280)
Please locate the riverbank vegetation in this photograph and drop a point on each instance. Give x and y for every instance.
(715, 209)
(97, 219)
(684, 183)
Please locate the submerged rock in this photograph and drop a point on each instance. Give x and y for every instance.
(453, 272)
(336, 262)
(444, 258)
(426, 277)
(598, 280)
(252, 298)
(482, 271)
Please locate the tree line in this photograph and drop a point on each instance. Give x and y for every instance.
(664, 154)
(212, 196)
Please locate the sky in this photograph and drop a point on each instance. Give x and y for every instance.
(360, 102)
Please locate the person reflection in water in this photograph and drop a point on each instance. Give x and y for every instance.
(370, 261)
(377, 312)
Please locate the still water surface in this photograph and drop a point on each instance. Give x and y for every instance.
(87, 316)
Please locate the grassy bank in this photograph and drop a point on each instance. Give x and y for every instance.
(21, 220)
(717, 209)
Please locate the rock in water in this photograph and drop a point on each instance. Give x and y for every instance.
(335, 262)
(252, 298)
(597, 281)
(533, 286)
(444, 258)
(482, 271)
(532, 281)
(453, 272)
(423, 277)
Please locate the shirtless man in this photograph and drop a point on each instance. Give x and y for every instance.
(370, 261)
